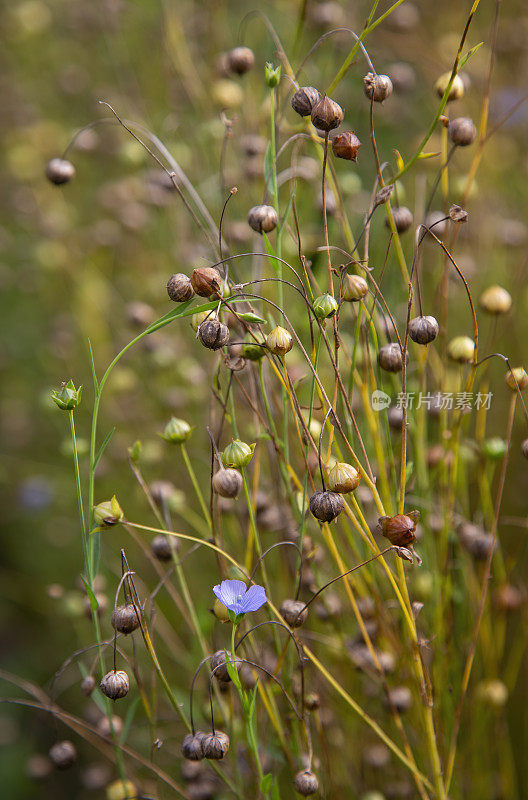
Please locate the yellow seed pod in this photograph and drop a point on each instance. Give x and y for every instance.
(495, 300)
(121, 790)
(343, 478)
(220, 611)
(279, 341)
(461, 349)
(457, 88)
(517, 374)
(354, 288)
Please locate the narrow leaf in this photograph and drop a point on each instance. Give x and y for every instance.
(92, 364)
(469, 54)
(94, 604)
(103, 446)
(266, 783)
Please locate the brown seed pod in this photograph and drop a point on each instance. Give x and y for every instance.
(179, 288)
(403, 219)
(306, 783)
(457, 214)
(423, 330)
(227, 482)
(218, 666)
(161, 547)
(395, 418)
(400, 530)
(293, 612)
(253, 145)
(475, 540)
(312, 701)
(63, 754)
(304, 99)
(263, 219)
(355, 288)
(125, 618)
(192, 746)
(115, 684)
(206, 281)
(204, 789)
(38, 767)
(88, 685)
(524, 448)
(462, 131)
(104, 729)
(326, 114)
(213, 334)
(59, 171)
(240, 60)
(383, 194)
(215, 745)
(343, 478)
(139, 314)
(390, 357)
(377, 87)
(326, 506)
(346, 145)
(509, 598)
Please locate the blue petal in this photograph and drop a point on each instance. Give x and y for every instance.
(254, 598)
(228, 592)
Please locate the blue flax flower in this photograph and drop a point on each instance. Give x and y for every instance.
(236, 598)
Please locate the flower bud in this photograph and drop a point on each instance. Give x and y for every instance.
(346, 145)
(115, 684)
(263, 219)
(462, 131)
(326, 114)
(423, 330)
(517, 377)
(238, 454)
(461, 349)
(355, 288)
(179, 288)
(125, 618)
(377, 87)
(390, 357)
(67, 397)
(457, 87)
(272, 75)
(176, 431)
(213, 334)
(306, 783)
(206, 281)
(59, 171)
(400, 530)
(279, 341)
(326, 506)
(63, 754)
(108, 513)
(325, 306)
(215, 745)
(304, 100)
(343, 478)
(457, 213)
(161, 547)
(227, 482)
(240, 60)
(192, 746)
(293, 612)
(218, 665)
(403, 219)
(121, 790)
(495, 300)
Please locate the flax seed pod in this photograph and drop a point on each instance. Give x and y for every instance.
(227, 482)
(326, 114)
(377, 87)
(306, 783)
(115, 684)
(63, 754)
(293, 612)
(304, 99)
(125, 618)
(240, 60)
(59, 171)
(326, 506)
(215, 745)
(179, 288)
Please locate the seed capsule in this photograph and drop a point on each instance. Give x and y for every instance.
(240, 60)
(238, 454)
(325, 306)
(192, 746)
(377, 87)
(401, 698)
(475, 540)
(517, 377)
(125, 618)
(293, 612)
(263, 219)
(254, 350)
(104, 728)
(343, 478)
(461, 349)
(382, 195)
(218, 666)
(509, 598)
(400, 530)
(355, 288)
(59, 171)
(462, 131)
(304, 100)
(346, 145)
(326, 506)
(326, 114)
(215, 745)
(122, 790)
(206, 281)
(115, 684)
(161, 547)
(306, 783)
(403, 219)
(179, 288)
(227, 482)
(176, 431)
(457, 214)
(524, 448)
(87, 685)
(279, 341)
(63, 754)
(390, 357)
(495, 300)
(108, 513)
(213, 334)
(423, 330)
(457, 87)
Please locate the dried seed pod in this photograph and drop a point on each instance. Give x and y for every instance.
(88, 685)
(104, 728)
(213, 334)
(403, 219)
(125, 618)
(63, 754)
(495, 300)
(312, 701)
(38, 767)
(240, 60)
(343, 478)
(457, 87)
(524, 448)
(162, 491)
(401, 698)
(346, 145)
(462, 131)
(179, 288)
(253, 145)
(509, 598)
(437, 223)
(227, 482)
(326, 506)
(517, 377)
(206, 281)
(279, 341)
(395, 418)
(457, 214)
(494, 693)
(390, 357)
(326, 114)
(192, 746)
(293, 612)
(219, 668)
(475, 540)
(383, 194)
(161, 547)
(306, 783)
(215, 745)
(377, 87)
(59, 171)
(115, 684)
(423, 330)
(355, 288)
(263, 219)
(400, 530)
(461, 349)
(304, 99)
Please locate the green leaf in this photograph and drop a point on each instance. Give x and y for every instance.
(94, 605)
(92, 364)
(266, 783)
(103, 446)
(286, 213)
(249, 316)
(183, 310)
(275, 794)
(428, 155)
(409, 468)
(469, 54)
(232, 670)
(268, 165)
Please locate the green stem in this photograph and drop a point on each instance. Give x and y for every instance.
(196, 485)
(79, 490)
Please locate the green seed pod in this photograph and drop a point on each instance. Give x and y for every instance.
(494, 448)
(67, 397)
(202, 316)
(279, 341)
(121, 790)
(461, 349)
(115, 684)
(108, 513)
(254, 350)
(343, 478)
(176, 431)
(272, 75)
(325, 306)
(493, 692)
(237, 454)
